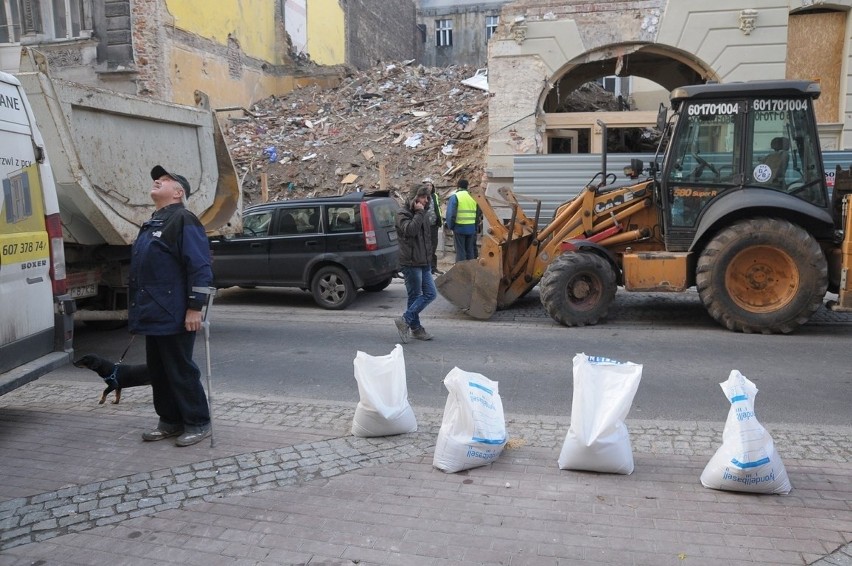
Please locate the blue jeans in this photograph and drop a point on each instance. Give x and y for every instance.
(421, 291)
(465, 246)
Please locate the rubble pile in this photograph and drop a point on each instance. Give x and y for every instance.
(388, 127)
(589, 97)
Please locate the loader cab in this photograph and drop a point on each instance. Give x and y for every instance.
(756, 140)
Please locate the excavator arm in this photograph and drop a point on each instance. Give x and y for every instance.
(515, 253)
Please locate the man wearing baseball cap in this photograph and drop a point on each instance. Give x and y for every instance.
(158, 172)
(169, 259)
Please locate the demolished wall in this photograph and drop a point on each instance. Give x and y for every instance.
(388, 127)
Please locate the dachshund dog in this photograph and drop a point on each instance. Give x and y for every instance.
(116, 376)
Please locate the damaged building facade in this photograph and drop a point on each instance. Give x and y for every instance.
(164, 49)
(456, 32)
(544, 49)
(353, 32)
(235, 52)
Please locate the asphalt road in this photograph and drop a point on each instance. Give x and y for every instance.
(276, 342)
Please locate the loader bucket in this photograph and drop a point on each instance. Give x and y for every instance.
(472, 286)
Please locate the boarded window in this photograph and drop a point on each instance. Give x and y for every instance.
(815, 48)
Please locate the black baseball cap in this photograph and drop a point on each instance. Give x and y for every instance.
(158, 171)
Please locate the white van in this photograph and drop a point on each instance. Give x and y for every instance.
(36, 312)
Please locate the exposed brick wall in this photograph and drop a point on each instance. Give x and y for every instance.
(149, 49)
(379, 30)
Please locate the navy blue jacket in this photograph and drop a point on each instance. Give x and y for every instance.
(170, 256)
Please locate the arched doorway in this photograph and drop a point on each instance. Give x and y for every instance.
(571, 127)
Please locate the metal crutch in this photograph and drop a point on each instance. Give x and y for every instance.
(205, 323)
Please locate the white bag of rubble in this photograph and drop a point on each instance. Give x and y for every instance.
(598, 439)
(473, 429)
(747, 460)
(383, 408)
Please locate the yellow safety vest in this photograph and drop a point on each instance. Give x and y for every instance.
(465, 208)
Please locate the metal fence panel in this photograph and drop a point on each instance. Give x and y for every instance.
(557, 178)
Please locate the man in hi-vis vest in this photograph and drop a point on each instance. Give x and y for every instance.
(462, 216)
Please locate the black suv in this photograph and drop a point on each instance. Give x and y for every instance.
(332, 246)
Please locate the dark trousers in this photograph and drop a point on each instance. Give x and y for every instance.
(465, 246)
(434, 228)
(179, 397)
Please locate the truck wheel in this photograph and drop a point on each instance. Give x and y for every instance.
(332, 288)
(762, 275)
(578, 288)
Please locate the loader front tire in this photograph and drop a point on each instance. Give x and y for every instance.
(763, 275)
(578, 288)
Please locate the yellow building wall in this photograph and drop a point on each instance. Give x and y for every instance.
(326, 32)
(251, 22)
(197, 71)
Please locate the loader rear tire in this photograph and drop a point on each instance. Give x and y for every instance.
(578, 288)
(763, 275)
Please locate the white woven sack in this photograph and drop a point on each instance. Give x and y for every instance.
(747, 460)
(598, 439)
(383, 408)
(473, 429)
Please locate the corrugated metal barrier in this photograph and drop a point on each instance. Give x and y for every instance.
(557, 178)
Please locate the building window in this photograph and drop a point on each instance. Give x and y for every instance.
(491, 26)
(68, 18)
(443, 33)
(44, 21)
(10, 27)
(616, 85)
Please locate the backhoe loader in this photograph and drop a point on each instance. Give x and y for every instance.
(736, 205)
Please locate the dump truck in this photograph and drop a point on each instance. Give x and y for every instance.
(102, 146)
(76, 165)
(734, 203)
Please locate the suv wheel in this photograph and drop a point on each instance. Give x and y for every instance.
(332, 288)
(380, 286)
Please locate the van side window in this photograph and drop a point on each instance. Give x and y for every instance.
(256, 225)
(305, 220)
(345, 218)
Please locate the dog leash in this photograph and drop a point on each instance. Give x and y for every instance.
(113, 377)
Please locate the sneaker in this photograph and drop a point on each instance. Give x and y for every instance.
(403, 329)
(162, 431)
(437, 272)
(194, 437)
(421, 334)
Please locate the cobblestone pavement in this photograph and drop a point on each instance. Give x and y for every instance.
(286, 483)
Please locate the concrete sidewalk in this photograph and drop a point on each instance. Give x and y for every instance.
(287, 484)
